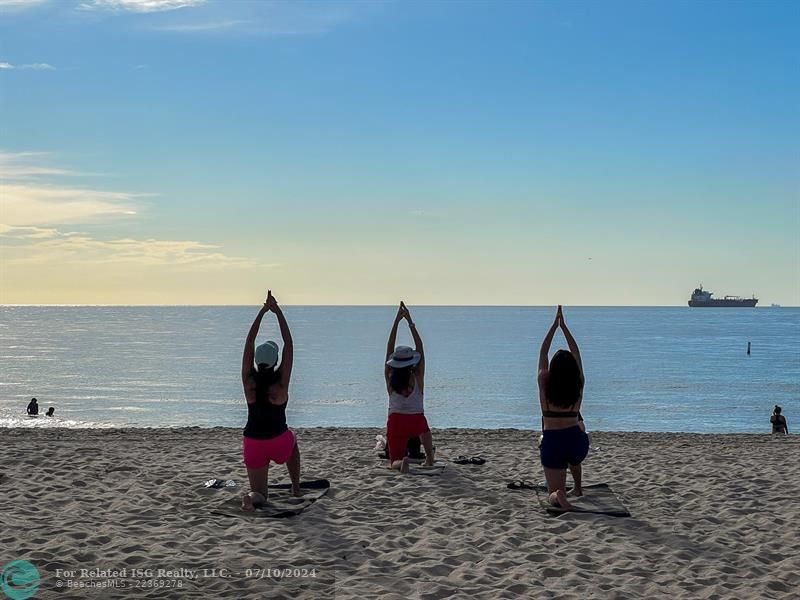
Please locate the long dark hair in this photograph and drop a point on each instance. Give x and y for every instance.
(564, 383)
(400, 378)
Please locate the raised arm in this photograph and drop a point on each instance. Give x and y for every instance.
(287, 357)
(544, 351)
(571, 343)
(417, 342)
(249, 344)
(392, 339)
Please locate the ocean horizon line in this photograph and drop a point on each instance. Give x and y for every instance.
(111, 305)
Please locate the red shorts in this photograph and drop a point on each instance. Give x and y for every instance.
(400, 428)
(258, 453)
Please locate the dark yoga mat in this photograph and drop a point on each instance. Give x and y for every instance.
(280, 503)
(597, 499)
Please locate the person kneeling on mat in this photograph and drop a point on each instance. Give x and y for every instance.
(564, 441)
(404, 373)
(266, 389)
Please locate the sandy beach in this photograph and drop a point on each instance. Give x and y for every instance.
(713, 516)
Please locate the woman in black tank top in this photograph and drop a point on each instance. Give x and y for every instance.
(267, 438)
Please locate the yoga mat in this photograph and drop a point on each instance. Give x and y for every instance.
(280, 502)
(436, 469)
(417, 461)
(597, 499)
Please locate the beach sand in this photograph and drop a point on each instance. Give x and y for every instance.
(713, 516)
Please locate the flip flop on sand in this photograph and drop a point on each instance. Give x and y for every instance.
(521, 484)
(473, 460)
(219, 483)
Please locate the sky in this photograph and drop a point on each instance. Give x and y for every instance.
(452, 153)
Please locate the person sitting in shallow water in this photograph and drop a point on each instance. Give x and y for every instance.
(404, 373)
(564, 443)
(33, 407)
(50, 412)
(778, 421)
(266, 388)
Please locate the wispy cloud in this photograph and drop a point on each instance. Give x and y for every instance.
(139, 6)
(44, 204)
(5, 66)
(37, 245)
(208, 26)
(34, 196)
(20, 4)
(26, 165)
(274, 18)
(27, 232)
(35, 203)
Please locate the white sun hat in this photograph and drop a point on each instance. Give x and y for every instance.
(403, 356)
(267, 354)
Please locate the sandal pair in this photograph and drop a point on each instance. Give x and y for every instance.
(472, 460)
(521, 484)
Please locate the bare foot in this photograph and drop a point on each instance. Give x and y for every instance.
(296, 490)
(559, 498)
(404, 465)
(428, 463)
(247, 503)
(576, 491)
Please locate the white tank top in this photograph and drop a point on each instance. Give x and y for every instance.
(407, 405)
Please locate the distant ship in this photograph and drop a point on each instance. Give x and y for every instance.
(700, 297)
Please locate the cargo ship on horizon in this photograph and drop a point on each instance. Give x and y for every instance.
(702, 298)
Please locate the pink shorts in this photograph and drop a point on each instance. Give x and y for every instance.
(258, 453)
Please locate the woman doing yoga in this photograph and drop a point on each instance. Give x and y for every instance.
(564, 441)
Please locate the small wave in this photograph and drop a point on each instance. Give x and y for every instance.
(50, 423)
(341, 402)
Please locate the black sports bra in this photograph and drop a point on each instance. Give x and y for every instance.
(555, 414)
(558, 414)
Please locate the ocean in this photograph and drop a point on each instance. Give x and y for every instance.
(647, 368)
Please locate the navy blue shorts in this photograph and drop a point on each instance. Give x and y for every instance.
(563, 447)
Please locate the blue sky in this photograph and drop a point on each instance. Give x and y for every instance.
(181, 151)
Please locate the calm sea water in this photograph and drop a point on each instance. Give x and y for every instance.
(647, 369)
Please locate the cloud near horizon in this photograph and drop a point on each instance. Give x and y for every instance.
(37, 245)
(34, 204)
